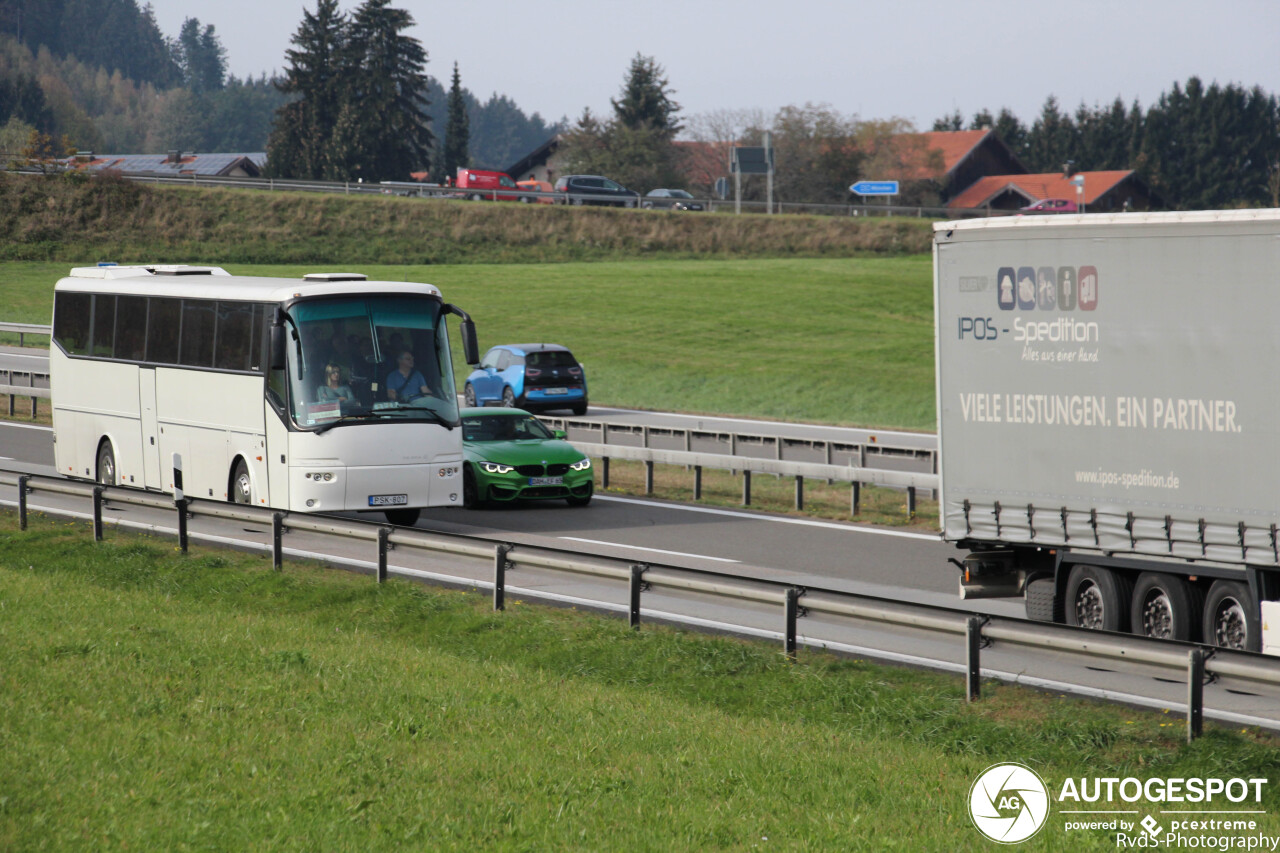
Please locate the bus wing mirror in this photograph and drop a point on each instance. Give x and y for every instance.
(470, 346)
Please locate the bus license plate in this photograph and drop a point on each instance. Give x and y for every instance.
(388, 500)
(546, 481)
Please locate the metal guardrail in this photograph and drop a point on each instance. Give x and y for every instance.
(793, 602)
(24, 329)
(416, 190)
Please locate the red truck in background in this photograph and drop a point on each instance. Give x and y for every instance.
(481, 184)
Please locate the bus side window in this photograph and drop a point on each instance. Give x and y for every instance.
(163, 325)
(71, 322)
(104, 325)
(197, 333)
(131, 327)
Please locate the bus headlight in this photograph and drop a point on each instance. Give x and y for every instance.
(448, 471)
(581, 465)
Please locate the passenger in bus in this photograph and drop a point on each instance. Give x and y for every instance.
(334, 388)
(405, 383)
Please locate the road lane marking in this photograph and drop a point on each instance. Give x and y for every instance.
(26, 426)
(651, 550)
(826, 525)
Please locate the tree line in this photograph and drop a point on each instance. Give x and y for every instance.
(99, 75)
(1199, 147)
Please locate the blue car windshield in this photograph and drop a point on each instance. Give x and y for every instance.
(504, 428)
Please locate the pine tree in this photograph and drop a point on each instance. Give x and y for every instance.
(645, 100)
(385, 94)
(1051, 144)
(299, 145)
(457, 135)
(202, 57)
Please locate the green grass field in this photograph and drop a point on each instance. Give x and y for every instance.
(151, 701)
(841, 341)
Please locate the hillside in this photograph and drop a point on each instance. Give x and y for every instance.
(74, 218)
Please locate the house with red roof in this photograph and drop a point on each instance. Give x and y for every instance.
(1100, 191)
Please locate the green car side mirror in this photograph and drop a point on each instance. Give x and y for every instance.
(561, 434)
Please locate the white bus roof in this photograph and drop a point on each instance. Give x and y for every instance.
(180, 280)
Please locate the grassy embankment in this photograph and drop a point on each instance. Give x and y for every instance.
(154, 701)
(80, 219)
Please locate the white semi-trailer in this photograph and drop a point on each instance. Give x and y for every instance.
(1109, 418)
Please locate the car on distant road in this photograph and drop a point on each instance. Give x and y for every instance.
(528, 376)
(510, 455)
(670, 200)
(594, 189)
(537, 187)
(1052, 205)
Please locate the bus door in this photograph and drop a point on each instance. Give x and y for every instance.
(150, 428)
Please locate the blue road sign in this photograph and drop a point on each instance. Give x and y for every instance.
(875, 188)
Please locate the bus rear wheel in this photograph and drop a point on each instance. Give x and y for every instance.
(106, 464)
(241, 485)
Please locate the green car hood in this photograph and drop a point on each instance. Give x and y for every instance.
(530, 451)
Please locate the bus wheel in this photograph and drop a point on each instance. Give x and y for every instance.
(403, 517)
(1163, 608)
(106, 464)
(1231, 617)
(241, 485)
(1095, 599)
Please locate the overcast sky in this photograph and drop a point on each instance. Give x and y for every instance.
(918, 59)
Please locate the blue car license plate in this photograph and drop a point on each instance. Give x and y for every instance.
(546, 481)
(557, 391)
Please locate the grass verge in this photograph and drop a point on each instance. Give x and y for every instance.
(839, 341)
(154, 701)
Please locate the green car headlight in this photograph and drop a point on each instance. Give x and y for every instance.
(496, 468)
(581, 465)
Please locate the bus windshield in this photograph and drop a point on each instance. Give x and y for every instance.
(357, 359)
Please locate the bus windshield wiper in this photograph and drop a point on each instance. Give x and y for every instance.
(325, 427)
(431, 413)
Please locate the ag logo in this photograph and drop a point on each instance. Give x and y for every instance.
(1009, 803)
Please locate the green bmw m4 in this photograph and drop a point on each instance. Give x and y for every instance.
(510, 455)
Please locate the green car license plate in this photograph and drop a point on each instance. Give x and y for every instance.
(546, 481)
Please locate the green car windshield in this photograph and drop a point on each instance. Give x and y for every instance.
(506, 427)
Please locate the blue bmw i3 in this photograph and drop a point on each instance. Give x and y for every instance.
(533, 377)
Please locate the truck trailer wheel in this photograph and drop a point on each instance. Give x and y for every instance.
(1231, 617)
(1096, 599)
(1163, 607)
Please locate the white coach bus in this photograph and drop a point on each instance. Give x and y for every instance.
(286, 393)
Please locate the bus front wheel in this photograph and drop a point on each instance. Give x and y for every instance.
(403, 517)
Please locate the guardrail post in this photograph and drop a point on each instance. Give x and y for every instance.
(648, 477)
(791, 610)
(637, 585)
(1195, 694)
(31, 380)
(97, 513)
(799, 492)
(855, 498)
(500, 576)
(973, 646)
(180, 504)
(22, 501)
(746, 487)
(911, 501)
(604, 472)
(697, 482)
(384, 536)
(277, 541)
